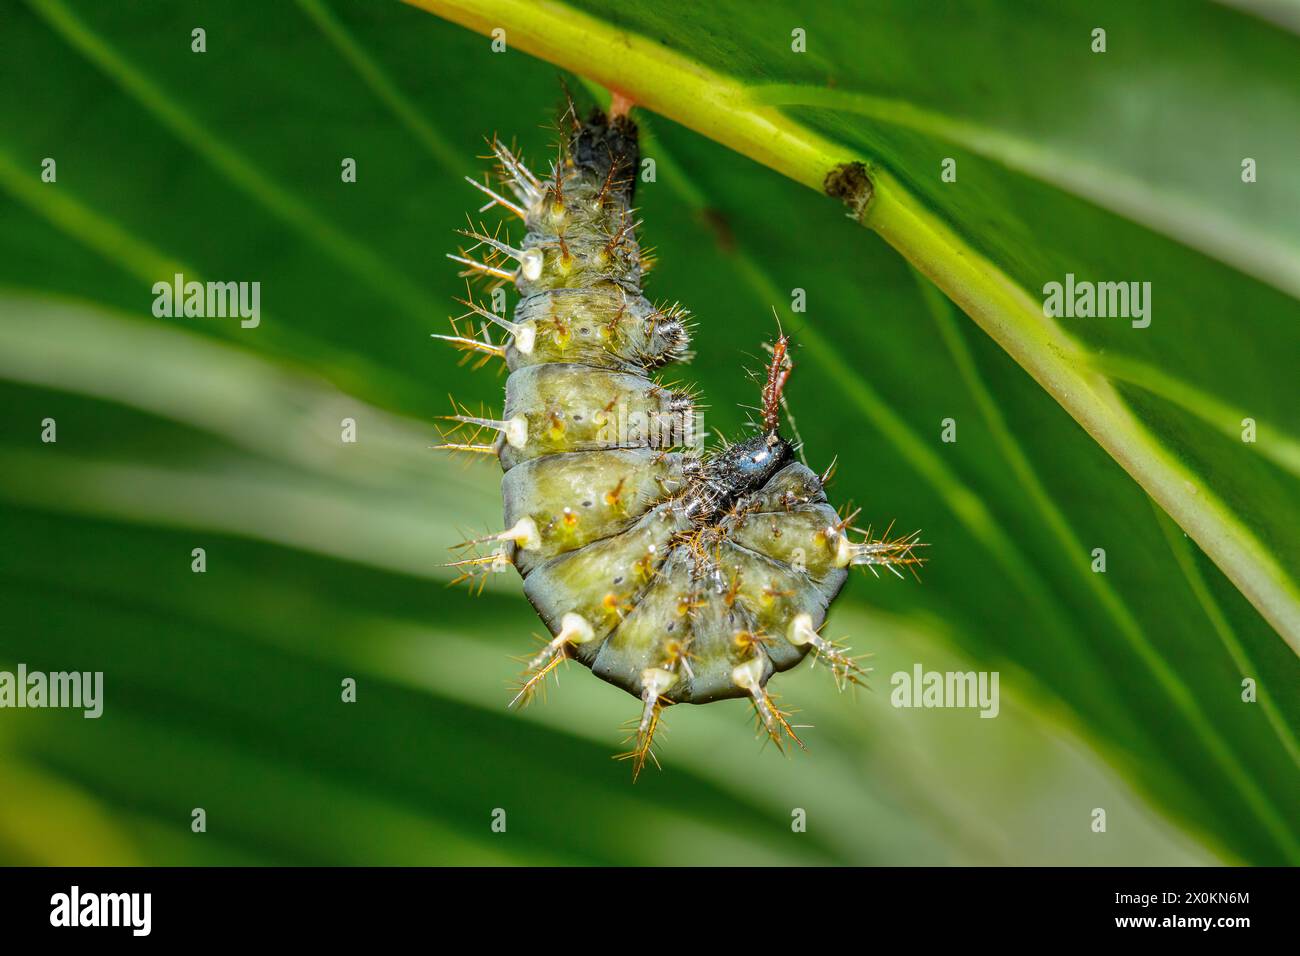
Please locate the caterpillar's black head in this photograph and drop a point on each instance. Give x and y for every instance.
(601, 145)
(748, 465)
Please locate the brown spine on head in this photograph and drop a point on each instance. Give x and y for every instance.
(778, 372)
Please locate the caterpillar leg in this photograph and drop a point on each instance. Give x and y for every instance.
(479, 567)
(524, 334)
(515, 429)
(534, 678)
(574, 629)
(487, 350)
(844, 669)
(454, 439)
(471, 345)
(495, 199)
(891, 553)
(655, 681)
(530, 260)
(521, 180)
(523, 534)
(770, 717)
(475, 268)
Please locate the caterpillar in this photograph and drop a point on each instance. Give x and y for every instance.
(679, 575)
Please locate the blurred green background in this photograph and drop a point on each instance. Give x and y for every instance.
(325, 559)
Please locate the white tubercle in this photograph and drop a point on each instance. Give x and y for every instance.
(748, 675)
(525, 337)
(523, 534)
(516, 431)
(843, 550)
(802, 631)
(844, 669)
(574, 629)
(530, 264)
(525, 333)
(656, 680)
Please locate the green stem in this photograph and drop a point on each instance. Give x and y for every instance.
(1013, 320)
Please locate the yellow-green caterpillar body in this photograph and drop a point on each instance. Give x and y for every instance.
(677, 575)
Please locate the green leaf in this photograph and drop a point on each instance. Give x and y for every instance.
(1120, 691)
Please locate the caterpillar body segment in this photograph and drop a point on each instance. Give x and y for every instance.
(604, 580)
(604, 327)
(679, 575)
(570, 408)
(578, 499)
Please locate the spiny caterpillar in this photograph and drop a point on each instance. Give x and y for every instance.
(678, 576)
